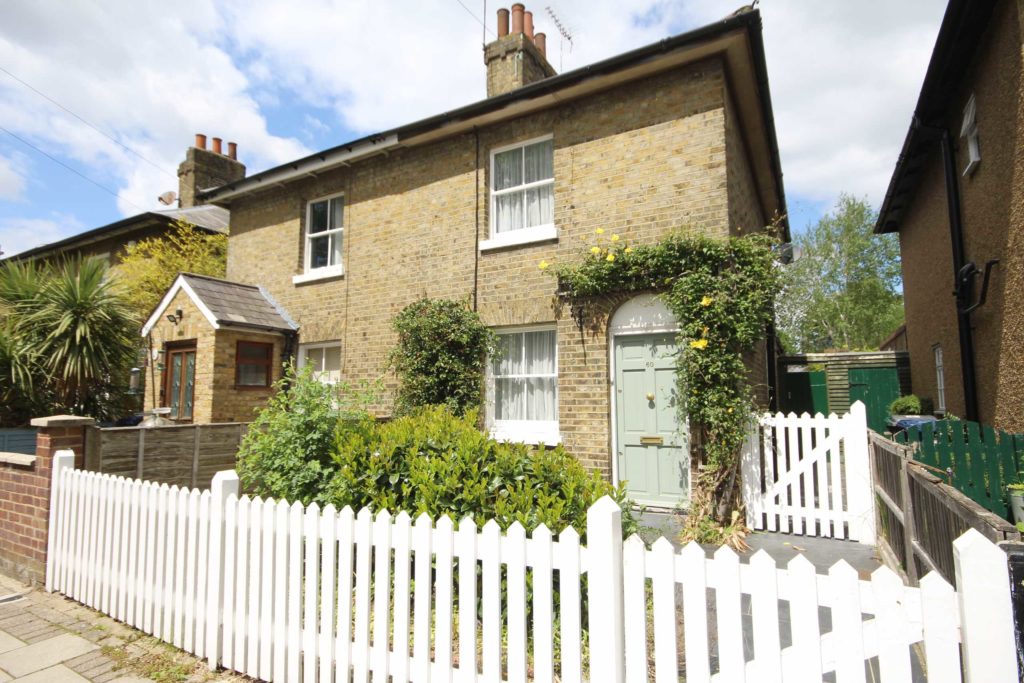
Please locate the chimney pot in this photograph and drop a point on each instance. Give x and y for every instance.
(517, 18)
(233, 150)
(216, 145)
(541, 40)
(528, 24)
(502, 22)
(200, 141)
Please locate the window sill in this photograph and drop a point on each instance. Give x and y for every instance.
(540, 233)
(328, 273)
(524, 432)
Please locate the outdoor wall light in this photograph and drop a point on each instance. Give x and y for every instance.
(175, 317)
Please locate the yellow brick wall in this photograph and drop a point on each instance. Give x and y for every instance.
(641, 161)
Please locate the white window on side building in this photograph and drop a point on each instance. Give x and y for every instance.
(522, 194)
(940, 381)
(324, 359)
(522, 392)
(323, 239)
(969, 132)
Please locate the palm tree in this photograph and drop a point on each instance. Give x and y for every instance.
(67, 339)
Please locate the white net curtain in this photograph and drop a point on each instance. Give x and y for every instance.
(524, 187)
(525, 376)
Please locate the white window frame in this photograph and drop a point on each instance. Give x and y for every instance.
(523, 431)
(536, 233)
(319, 345)
(969, 131)
(940, 379)
(309, 273)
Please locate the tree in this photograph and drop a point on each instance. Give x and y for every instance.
(844, 288)
(67, 340)
(149, 266)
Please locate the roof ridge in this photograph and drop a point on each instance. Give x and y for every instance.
(220, 279)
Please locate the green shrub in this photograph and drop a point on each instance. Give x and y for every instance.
(286, 453)
(439, 463)
(906, 405)
(440, 355)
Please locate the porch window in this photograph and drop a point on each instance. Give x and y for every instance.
(324, 359)
(179, 380)
(522, 194)
(253, 363)
(523, 387)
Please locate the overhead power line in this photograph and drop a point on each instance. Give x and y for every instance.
(73, 170)
(478, 20)
(95, 128)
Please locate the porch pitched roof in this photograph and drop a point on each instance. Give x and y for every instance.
(226, 304)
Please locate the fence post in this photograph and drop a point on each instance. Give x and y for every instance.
(604, 591)
(859, 489)
(909, 525)
(986, 616)
(62, 460)
(224, 484)
(750, 479)
(1015, 563)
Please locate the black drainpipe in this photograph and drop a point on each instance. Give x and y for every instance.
(961, 289)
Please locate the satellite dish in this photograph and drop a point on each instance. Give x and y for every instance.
(167, 198)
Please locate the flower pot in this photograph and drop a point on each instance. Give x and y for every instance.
(1017, 504)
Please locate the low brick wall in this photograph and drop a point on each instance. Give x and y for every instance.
(25, 496)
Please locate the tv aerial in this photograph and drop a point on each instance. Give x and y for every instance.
(563, 30)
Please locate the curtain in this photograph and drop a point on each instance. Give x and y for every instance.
(508, 169)
(540, 206)
(337, 209)
(539, 162)
(508, 209)
(521, 389)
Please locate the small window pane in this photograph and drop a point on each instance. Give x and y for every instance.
(508, 212)
(318, 217)
(254, 352)
(509, 397)
(540, 400)
(332, 359)
(320, 252)
(540, 352)
(539, 162)
(335, 249)
(314, 358)
(337, 207)
(540, 206)
(252, 375)
(508, 169)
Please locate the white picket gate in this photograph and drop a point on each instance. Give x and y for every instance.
(287, 593)
(810, 475)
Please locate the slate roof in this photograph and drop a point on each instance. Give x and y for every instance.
(238, 305)
(213, 218)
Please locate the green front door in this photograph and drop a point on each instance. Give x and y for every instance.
(652, 453)
(876, 388)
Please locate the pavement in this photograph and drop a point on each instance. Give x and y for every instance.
(46, 638)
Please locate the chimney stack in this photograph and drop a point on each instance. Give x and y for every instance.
(205, 169)
(516, 58)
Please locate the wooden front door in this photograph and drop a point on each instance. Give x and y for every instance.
(180, 380)
(652, 452)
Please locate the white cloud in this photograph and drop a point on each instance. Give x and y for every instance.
(12, 180)
(19, 234)
(844, 75)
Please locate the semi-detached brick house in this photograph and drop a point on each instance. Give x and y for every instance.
(674, 136)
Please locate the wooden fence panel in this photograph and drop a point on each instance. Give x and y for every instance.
(182, 455)
(277, 601)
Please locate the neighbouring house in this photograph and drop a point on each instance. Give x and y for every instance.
(677, 135)
(956, 199)
(202, 169)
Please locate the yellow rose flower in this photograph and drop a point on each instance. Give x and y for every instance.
(704, 332)
(595, 250)
(610, 258)
(615, 238)
(543, 265)
(599, 231)
(699, 344)
(706, 301)
(628, 250)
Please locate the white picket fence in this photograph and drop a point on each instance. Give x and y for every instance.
(287, 593)
(810, 475)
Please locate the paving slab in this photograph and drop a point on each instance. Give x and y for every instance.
(53, 674)
(9, 642)
(44, 654)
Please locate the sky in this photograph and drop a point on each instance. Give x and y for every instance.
(99, 101)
